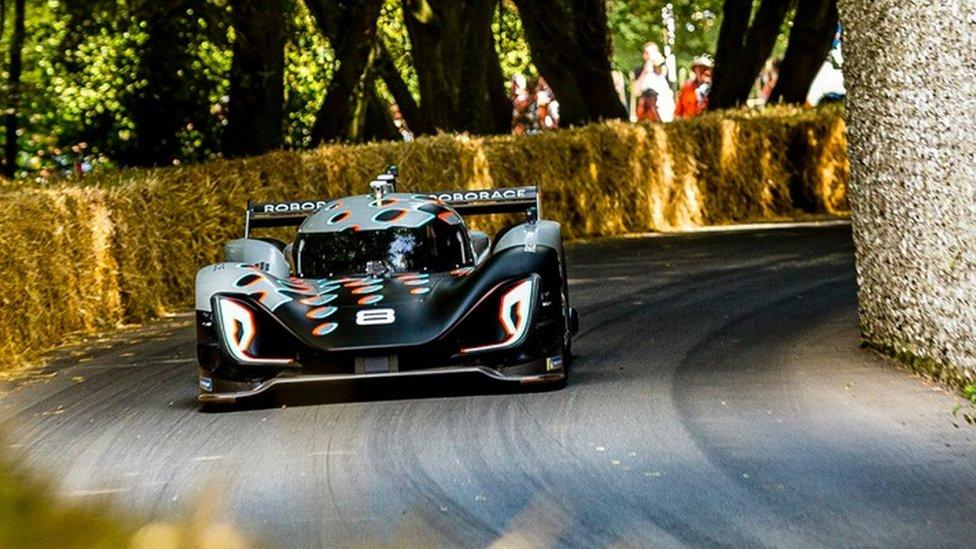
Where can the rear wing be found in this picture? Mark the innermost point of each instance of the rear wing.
(279, 214)
(525, 200)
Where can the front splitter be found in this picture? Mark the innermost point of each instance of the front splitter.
(228, 397)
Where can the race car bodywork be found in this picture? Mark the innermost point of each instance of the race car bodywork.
(385, 284)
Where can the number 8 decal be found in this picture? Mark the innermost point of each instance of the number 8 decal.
(372, 317)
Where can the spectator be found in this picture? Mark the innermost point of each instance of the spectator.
(547, 107)
(400, 123)
(828, 84)
(768, 78)
(693, 96)
(522, 120)
(654, 96)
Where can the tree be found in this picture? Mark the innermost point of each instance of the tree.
(743, 48)
(459, 76)
(349, 111)
(14, 89)
(632, 23)
(157, 107)
(413, 115)
(571, 49)
(254, 121)
(171, 108)
(814, 26)
(911, 142)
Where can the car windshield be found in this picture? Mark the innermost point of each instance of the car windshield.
(433, 247)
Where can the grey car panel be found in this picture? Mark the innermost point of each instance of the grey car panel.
(264, 255)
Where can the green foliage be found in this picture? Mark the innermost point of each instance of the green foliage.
(78, 64)
(309, 63)
(513, 51)
(184, 58)
(632, 23)
(393, 33)
(82, 78)
(86, 89)
(30, 516)
(968, 415)
(81, 102)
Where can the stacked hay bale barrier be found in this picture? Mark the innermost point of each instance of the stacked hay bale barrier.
(59, 272)
(81, 255)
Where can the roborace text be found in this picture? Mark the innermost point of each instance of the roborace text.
(285, 207)
(517, 193)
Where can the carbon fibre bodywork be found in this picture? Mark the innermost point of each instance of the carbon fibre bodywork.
(503, 313)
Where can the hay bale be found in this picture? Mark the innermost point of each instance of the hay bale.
(86, 254)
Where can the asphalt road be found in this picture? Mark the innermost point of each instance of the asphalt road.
(719, 398)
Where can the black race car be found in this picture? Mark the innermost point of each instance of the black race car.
(385, 284)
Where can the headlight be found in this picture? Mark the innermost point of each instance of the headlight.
(515, 308)
(238, 330)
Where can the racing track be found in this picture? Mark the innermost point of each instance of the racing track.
(719, 398)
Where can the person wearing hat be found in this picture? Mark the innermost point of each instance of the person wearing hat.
(693, 96)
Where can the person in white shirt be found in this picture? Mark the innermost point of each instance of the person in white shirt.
(828, 85)
(654, 97)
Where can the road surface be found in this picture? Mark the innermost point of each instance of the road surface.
(719, 397)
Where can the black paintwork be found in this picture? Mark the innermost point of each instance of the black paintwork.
(460, 310)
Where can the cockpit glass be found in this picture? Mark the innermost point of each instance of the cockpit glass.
(433, 247)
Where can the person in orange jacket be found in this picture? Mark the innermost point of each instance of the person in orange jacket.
(693, 96)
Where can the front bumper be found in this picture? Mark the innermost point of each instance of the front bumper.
(538, 372)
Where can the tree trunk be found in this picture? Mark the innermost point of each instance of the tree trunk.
(13, 89)
(911, 142)
(415, 118)
(160, 108)
(377, 121)
(743, 48)
(595, 75)
(549, 30)
(473, 96)
(457, 69)
(255, 110)
(814, 26)
(350, 26)
(571, 49)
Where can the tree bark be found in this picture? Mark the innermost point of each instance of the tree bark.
(814, 26)
(911, 141)
(257, 71)
(474, 97)
(350, 26)
(571, 48)
(457, 69)
(13, 89)
(743, 48)
(595, 75)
